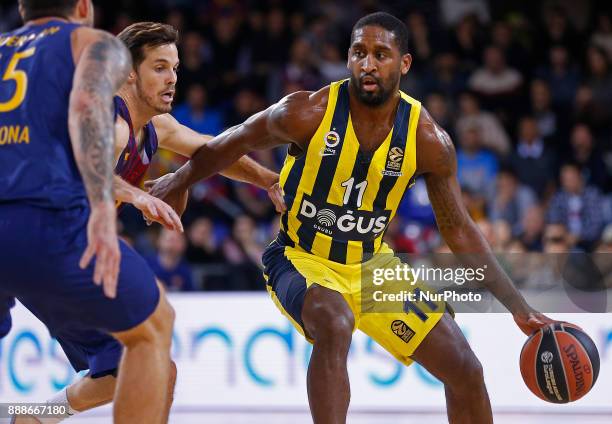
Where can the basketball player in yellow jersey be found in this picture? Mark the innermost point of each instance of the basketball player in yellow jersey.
(355, 147)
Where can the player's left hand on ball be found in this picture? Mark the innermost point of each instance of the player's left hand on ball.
(531, 321)
(156, 210)
(275, 192)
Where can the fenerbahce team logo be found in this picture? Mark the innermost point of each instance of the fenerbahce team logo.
(332, 139)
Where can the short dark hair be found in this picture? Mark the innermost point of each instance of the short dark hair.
(34, 9)
(140, 35)
(387, 22)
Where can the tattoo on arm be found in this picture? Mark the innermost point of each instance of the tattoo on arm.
(448, 214)
(102, 69)
(445, 201)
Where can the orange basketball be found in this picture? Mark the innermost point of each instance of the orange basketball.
(559, 363)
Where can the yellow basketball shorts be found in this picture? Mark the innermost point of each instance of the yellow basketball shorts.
(290, 271)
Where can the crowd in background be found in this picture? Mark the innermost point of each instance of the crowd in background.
(523, 88)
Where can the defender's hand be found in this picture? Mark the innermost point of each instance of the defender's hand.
(275, 192)
(156, 210)
(104, 245)
(162, 189)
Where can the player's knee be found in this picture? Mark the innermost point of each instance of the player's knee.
(469, 373)
(325, 322)
(156, 329)
(162, 320)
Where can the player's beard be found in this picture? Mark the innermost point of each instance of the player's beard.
(375, 98)
(150, 101)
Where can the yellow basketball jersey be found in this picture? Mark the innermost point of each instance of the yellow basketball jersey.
(340, 200)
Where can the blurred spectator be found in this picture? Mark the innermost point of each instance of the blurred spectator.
(467, 43)
(492, 133)
(122, 20)
(595, 114)
(453, 11)
(254, 200)
(243, 252)
(502, 233)
(602, 37)
(269, 42)
(332, 64)
(495, 81)
(583, 151)
(194, 54)
(476, 167)
(532, 227)
(512, 201)
(599, 76)
(496, 233)
(605, 243)
(557, 239)
(541, 109)
(562, 77)
(475, 203)
(532, 161)
(396, 237)
(516, 54)
(420, 46)
(245, 104)
(446, 77)
(486, 228)
(227, 44)
(195, 113)
(578, 207)
(176, 18)
(169, 265)
(558, 30)
(415, 206)
(438, 108)
(202, 245)
(300, 70)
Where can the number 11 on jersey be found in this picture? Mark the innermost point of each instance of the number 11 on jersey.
(349, 188)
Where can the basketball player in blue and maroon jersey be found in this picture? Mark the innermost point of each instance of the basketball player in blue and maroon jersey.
(143, 105)
(142, 125)
(57, 206)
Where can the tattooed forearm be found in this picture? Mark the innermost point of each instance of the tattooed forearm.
(444, 202)
(102, 69)
(443, 189)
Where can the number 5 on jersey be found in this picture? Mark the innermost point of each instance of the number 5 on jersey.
(20, 78)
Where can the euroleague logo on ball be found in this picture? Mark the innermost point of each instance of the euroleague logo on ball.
(546, 357)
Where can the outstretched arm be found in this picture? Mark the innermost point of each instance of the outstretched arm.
(292, 120)
(180, 139)
(437, 161)
(102, 66)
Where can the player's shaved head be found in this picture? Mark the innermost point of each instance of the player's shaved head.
(141, 35)
(34, 9)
